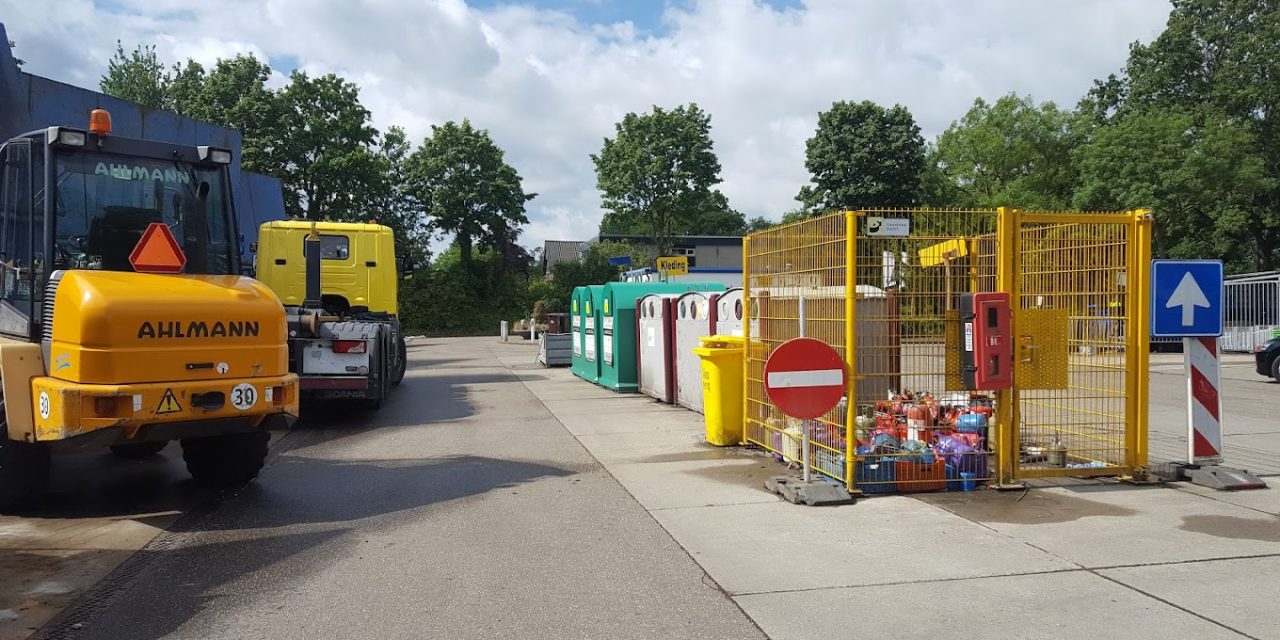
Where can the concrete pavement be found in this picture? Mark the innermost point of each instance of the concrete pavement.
(495, 498)
(1085, 558)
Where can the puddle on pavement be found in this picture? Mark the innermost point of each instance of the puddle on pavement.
(694, 456)
(751, 473)
(1265, 530)
(1035, 507)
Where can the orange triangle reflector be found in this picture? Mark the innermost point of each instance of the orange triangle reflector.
(158, 251)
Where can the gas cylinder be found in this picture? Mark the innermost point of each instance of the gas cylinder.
(917, 420)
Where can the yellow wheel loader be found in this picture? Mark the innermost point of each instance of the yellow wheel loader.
(94, 353)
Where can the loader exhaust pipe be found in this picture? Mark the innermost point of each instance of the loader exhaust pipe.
(312, 246)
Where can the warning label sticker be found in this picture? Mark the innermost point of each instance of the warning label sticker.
(168, 403)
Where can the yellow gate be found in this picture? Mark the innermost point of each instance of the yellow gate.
(883, 288)
(1079, 401)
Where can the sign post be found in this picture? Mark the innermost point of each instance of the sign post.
(1187, 302)
(805, 378)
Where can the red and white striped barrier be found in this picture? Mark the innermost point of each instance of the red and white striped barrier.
(1204, 403)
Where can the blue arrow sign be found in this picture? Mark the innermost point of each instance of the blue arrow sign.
(1186, 298)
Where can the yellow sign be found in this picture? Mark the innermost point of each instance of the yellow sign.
(168, 403)
(674, 265)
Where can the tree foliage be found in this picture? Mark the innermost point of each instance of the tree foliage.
(1010, 153)
(18, 61)
(1209, 82)
(464, 184)
(138, 76)
(862, 156)
(323, 151)
(656, 177)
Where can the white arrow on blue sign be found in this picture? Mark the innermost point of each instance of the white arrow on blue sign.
(1186, 298)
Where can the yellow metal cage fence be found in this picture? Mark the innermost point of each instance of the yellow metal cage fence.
(883, 287)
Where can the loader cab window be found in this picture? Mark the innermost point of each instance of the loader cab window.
(331, 247)
(21, 231)
(106, 201)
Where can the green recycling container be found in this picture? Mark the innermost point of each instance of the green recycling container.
(587, 364)
(617, 309)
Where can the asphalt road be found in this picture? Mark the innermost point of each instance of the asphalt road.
(461, 509)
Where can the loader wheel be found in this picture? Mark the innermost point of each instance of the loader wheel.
(24, 472)
(138, 450)
(226, 460)
(402, 353)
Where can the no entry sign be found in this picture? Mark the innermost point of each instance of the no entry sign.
(804, 378)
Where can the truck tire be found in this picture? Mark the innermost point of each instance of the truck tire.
(402, 361)
(138, 450)
(24, 471)
(226, 460)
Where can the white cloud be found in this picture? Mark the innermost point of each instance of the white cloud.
(549, 88)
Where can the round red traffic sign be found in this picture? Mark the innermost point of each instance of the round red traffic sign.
(804, 378)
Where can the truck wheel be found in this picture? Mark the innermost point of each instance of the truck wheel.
(138, 450)
(402, 361)
(24, 471)
(226, 460)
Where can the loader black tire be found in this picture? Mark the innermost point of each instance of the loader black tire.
(402, 361)
(24, 471)
(226, 460)
(138, 450)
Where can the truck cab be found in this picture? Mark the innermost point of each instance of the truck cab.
(338, 283)
(94, 353)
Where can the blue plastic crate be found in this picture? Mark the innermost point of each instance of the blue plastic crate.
(876, 475)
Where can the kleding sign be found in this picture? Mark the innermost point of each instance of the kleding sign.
(674, 265)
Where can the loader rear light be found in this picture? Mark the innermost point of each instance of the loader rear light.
(348, 346)
(277, 395)
(105, 407)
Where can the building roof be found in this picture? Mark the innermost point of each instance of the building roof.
(554, 251)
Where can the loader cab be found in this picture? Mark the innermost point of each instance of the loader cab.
(77, 199)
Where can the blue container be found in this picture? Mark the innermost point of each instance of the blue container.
(971, 423)
(953, 479)
(876, 475)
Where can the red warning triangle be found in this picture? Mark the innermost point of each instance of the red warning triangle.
(158, 252)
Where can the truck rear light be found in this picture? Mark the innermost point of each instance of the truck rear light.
(348, 346)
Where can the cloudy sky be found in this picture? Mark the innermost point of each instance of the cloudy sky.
(549, 78)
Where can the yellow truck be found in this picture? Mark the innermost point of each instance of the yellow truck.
(338, 283)
(94, 353)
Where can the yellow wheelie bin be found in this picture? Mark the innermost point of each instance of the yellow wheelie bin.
(722, 387)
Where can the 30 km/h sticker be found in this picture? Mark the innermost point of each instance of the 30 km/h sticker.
(244, 396)
(45, 406)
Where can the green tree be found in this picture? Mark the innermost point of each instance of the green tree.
(138, 77)
(1200, 175)
(655, 176)
(463, 183)
(18, 61)
(322, 147)
(863, 156)
(759, 223)
(393, 205)
(1213, 70)
(1011, 153)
